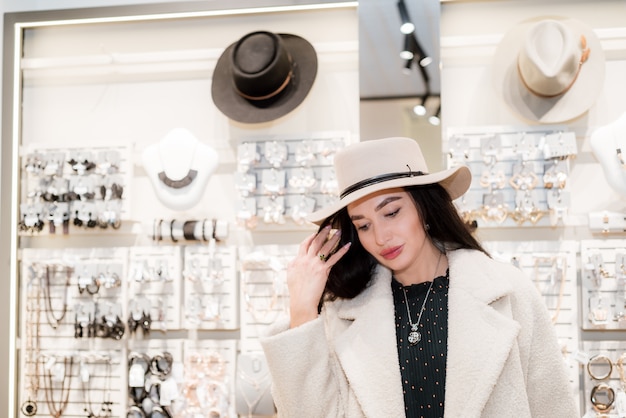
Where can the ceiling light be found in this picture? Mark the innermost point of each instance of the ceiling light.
(407, 26)
(420, 109)
(435, 119)
(407, 51)
(426, 61)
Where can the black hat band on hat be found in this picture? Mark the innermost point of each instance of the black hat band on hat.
(270, 95)
(262, 66)
(379, 179)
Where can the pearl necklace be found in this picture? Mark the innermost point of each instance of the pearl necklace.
(414, 335)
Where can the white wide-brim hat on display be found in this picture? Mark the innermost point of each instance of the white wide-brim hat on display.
(370, 166)
(549, 69)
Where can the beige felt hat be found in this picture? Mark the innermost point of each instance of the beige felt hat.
(549, 69)
(369, 166)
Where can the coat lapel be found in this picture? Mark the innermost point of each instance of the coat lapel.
(367, 350)
(481, 333)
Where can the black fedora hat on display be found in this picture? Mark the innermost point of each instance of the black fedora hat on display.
(263, 76)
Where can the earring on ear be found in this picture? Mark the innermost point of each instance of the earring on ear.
(426, 227)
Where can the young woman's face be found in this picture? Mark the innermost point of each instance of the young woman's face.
(390, 228)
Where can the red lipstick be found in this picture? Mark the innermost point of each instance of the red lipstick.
(391, 253)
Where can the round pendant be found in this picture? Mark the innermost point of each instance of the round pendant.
(414, 337)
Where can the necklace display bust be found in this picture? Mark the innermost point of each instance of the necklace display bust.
(609, 146)
(179, 167)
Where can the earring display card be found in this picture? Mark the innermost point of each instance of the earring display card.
(520, 177)
(603, 279)
(210, 287)
(154, 287)
(263, 289)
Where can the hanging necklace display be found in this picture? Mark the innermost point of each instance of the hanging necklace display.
(29, 407)
(56, 409)
(51, 270)
(553, 279)
(414, 335)
(85, 379)
(253, 384)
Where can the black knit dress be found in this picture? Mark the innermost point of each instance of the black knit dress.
(423, 365)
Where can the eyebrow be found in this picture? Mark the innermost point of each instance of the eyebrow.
(378, 207)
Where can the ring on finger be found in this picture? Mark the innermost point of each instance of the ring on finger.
(322, 257)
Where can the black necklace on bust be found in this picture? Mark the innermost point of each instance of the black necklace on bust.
(178, 184)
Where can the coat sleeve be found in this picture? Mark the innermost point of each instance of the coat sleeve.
(550, 391)
(303, 380)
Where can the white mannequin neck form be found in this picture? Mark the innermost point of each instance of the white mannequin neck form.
(179, 167)
(608, 144)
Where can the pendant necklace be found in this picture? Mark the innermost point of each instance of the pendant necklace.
(414, 335)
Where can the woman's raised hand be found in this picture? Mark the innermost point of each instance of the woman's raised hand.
(308, 272)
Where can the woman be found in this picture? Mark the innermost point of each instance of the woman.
(397, 311)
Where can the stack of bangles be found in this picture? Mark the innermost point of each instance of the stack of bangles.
(599, 368)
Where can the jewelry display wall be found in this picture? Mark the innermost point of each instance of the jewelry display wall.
(282, 178)
(169, 85)
(520, 175)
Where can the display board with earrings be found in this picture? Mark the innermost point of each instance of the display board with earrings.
(282, 179)
(72, 189)
(603, 284)
(521, 175)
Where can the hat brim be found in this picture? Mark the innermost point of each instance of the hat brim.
(571, 104)
(242, 110)
(455, 180)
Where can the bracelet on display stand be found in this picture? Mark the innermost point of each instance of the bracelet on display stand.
(599, 360)
(602, 397)
(172, 231)
(189, 230)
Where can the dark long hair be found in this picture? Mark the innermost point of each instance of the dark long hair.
(353, 273)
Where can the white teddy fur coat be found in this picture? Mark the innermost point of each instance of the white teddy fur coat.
(503, 358)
